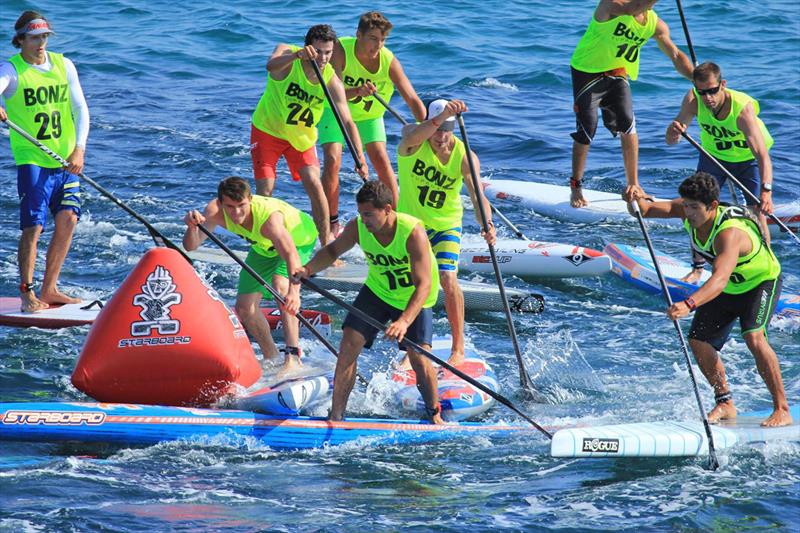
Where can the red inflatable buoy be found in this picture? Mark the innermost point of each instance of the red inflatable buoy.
(165, 337)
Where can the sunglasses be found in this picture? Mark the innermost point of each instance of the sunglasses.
(711, 91)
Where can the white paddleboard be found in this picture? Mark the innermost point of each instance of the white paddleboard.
(289, 396)
(459, 400)
(534, 259)
(669, 439)
(553, 201)
(56, 316)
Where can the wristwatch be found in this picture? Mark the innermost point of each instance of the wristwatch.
(766, 187)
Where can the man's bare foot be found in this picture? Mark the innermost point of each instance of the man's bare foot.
(291, 365)
(57, 297)
(722, 411)
(693, 277)
(30, 303)
(437, 419)
(576, 198)
(456, 358)
(779, 417)
(403, 365)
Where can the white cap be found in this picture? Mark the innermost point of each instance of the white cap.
(435, 108)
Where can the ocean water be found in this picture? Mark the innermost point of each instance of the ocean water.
(171, 88)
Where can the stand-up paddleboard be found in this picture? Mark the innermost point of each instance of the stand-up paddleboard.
(459, 399)
(534, 259)
(80, 314)
(553, 201)
(55, 316)
(633, 264)
(288, 396)
(477, 296)
(131, 424)
(669, 439)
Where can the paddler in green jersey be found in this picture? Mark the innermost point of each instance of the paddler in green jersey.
(42, 95)
(606, 56)
(402, 286)
(432, 164)
(745, 285)
(282, 238)
(285, 120)
(366, 67)
(732, 132)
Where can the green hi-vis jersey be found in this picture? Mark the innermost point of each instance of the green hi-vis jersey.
(722, 138)
(613, 44)
(299, 225)
(355, 75)
(430, 190)
(42, 106)
(389, 274)
(758, 266)
(290, 108)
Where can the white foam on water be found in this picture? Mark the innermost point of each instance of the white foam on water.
(494, 83)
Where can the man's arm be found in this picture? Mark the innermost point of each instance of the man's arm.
(418, 249)
(681, 62)
(210, 219)
(326, 255)
(728, 246)
(406, 90)
(661, 209)
(685, 116)
(748, 124)
(280, 62)
(416, 134)
(336, 89)
(491, 237)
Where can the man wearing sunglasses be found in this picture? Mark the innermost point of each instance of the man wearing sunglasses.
(731, 131)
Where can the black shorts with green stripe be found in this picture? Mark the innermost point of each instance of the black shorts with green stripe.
(714, 320)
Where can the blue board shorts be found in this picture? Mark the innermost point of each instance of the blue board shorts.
(746, 172)
(41, 189)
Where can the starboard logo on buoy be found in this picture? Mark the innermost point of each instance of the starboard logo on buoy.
(601, 445)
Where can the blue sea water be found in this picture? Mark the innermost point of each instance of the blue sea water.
(171, 88)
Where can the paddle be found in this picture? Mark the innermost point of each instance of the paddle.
(739, 184)
(444, 364)
(713, 464)
(336, 114)
(524, 379)
(159, 239)
(275, 294)
(404, 122)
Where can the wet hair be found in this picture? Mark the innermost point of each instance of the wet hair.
(23, 21)
(320, 32)
(375, 193)
(235, 188)
(700, 187)
(374, 20)
(706, 72)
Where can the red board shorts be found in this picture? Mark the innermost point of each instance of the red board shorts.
(266, 150)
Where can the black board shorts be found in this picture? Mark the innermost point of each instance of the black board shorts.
(714, 320)
(609, 92)
(420, 331)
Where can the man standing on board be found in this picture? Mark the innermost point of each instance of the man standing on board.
(285, 119)
(606, 56)
(432, 164)
(402, 286)
(366, 67)
(732, 133)
(745, 285)
(43, 96)
(281, 238)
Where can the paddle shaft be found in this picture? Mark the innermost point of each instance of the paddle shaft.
(275, 294)
(738, 183)
(524, 379)
(336, 114)
(416, 347)
(712, 461)
(404, 122)
(159, 239)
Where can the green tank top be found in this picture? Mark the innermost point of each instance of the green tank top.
(613, 44)
(429, 190)
(290, 108)
(751, 270)
(42, 106)
(299, 225)
(355, 74)
(722, 138)
(389, 274)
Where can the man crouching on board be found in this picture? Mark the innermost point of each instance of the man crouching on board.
(402, 285)
(745, 283)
